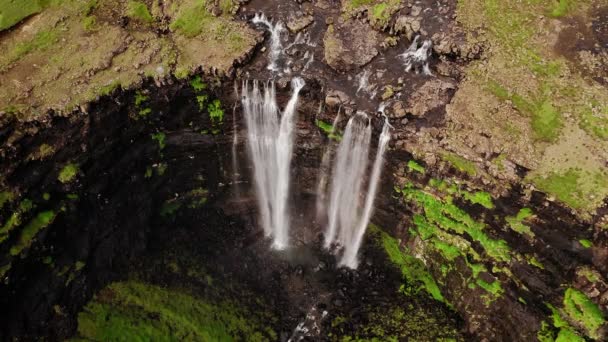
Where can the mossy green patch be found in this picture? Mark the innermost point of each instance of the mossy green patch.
(89, 22)
(29, 232)
(13, 11)
(197, 84)
(413, 270)
(460, 163)
(216, 114)
(6, 197)
(585, 243)
(595, 120)
(412, 165)
(583, 311)
(546, 121)
(560, 8)
(139, 11)
(449, 217)
(516, 222)
(160, 138)
(329, 130)
(479, 197)
(391, 323)
(135, 311)
(68, 173)
(566, 186)
(41, 41)
(15, 219)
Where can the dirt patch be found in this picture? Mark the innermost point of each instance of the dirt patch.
(584, 42)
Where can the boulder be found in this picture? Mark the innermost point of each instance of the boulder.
(408, 25)
(296, 25)
(433, 94)
(335, 98)
(350, 45)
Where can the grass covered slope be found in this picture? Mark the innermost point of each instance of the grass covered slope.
(136, 311)
(539, 108)
(74, 51)
(13, 11)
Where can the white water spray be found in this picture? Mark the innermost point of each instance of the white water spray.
(417, 57)
(270, 141)
(276, 48)
(349, 215)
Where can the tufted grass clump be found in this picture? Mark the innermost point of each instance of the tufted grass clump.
(139, 11)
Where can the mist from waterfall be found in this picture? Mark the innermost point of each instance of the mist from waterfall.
(350, 208)
(270, 142)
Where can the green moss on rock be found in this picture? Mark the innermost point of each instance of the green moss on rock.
(29, 232)
(583, 311)
(413, 270)
(5, 198)
(68, 173)
(460, 163)
(516, 222)
(15, 219)
(412, 165)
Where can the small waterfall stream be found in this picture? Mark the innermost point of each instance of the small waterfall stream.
(276, 47)
(270, 141)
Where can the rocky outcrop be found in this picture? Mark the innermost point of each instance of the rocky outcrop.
(433, 94)
(350, 45)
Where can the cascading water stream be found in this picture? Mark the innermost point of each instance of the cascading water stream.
(351, 248)
(347, 178)
(270, 141)
(276, 47)
(418, 57)
(348, 216)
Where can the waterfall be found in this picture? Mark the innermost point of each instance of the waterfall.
(417, 57)
(347, 177)
(349, 214)
(270, 141)
(235, 143)
(276, 48)
(349, 258)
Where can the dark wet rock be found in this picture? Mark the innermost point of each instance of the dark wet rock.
(432, 95)
(350, 45)
(299, 23)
